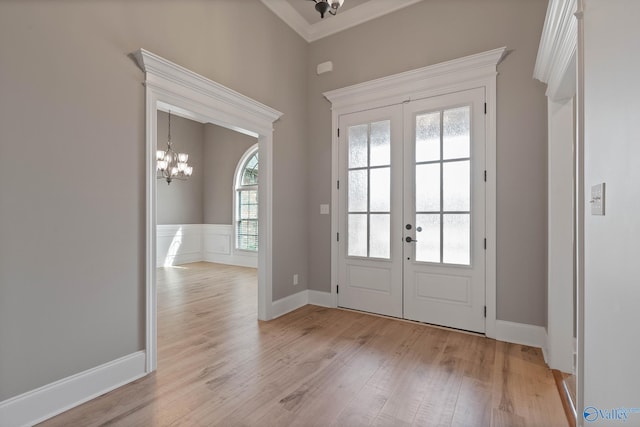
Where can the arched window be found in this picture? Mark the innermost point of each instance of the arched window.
(246, 205)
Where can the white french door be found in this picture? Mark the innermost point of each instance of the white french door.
(370, 236)
(412, 210)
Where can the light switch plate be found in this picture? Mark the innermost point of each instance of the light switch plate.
(324, 209)
(597, 199)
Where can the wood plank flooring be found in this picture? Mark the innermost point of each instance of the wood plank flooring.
(219, 366)
(566, 385)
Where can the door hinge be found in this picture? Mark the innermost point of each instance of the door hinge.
(485, 243)
(337, 289)
(485, 176)
(337, 237)
(485, 311)
(485, 108)
(338, 184)
(338, 132)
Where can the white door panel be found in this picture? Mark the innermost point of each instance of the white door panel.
(444, 265)
(411, 210)
(370, 247)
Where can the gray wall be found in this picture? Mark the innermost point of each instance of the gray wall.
(181, 202)
(72, 237)
(427, 33)
(72, 259)
(609, 335)
(223, 149)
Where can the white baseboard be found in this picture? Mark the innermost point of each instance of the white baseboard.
(290, 303)
(182, 259)
(521, 333)
(516, 333)
(300, 299)
(234, 259)
(52, 399)
(323, 299)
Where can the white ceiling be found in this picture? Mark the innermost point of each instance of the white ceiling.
(305, 20)
(306, 8)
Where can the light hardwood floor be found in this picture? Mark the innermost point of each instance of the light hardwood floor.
(219, 366)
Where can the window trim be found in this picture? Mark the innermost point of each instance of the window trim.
(236, 187)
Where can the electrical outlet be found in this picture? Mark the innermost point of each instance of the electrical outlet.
(324, 209)
(295, 279)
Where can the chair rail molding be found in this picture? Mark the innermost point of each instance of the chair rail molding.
(556, 60)
(190, 95)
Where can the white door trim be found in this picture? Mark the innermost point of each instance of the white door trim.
(193, 96)
(556, 65)
(479, 70)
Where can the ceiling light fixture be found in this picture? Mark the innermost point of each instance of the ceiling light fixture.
(331, 6)
(171, 165)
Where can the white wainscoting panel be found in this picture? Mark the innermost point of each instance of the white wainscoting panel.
(184, 243)
(52, 399)
(218, 239)
(219, 247)
(178, 244)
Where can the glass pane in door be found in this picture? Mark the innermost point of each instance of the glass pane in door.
(455, 239)
(456, 186)
(380, 190)
(358, 190)
(357, 226)
(456, 136)
(428, 137)
(358, 153)
(380, 144)
(428, 240)
(379, 236)
(428, 187)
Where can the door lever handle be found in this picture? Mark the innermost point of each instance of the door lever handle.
(408, 239)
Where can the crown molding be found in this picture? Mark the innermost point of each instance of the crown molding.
(555, 63)
(290, 16)
(406, 86)
(157, 67)
(334, 24)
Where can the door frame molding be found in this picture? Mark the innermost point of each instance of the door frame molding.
(195, 97)
(557, 67)
(474, 71)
